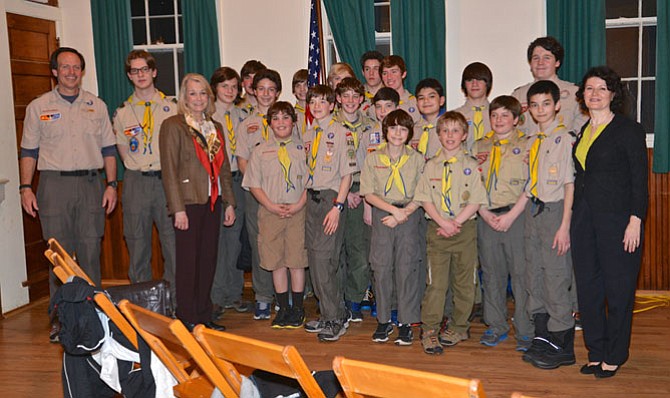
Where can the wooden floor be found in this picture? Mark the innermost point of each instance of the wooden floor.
(30, 366)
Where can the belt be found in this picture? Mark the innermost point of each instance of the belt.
(314, 195)
(540, 205)
(499, 210)
(399, 205)
(79, 173)
(152, 173)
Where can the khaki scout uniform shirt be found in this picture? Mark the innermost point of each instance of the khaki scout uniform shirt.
(375, 174)
(408, 104)
(301, 123)
(555, 167)
(336, 156)
(237, 116)
(248, 105)
(469, 113)
(69, 136)
(264, 171)
(434, 145)
(466, 183)
(571, 114)
(513, 170)
(143, 153)
(361, 127)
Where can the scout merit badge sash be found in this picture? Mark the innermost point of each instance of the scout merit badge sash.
(395, 178)
(285, 162)
(446, 185)
(208, 143)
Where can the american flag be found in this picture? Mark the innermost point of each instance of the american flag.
(314, 60)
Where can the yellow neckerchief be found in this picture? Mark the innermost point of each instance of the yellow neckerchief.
(395, 178)
(315, 148)
(303, 128)
(369, 95)
(423, 141)
(231, 134)
(478, 121)
(299, 108)
(208, 130)
(285, 161)
(534, 159)
(585, 143)
(353, 127)
(446, 185)
(264, 130)
(494, 166)
(147, 120)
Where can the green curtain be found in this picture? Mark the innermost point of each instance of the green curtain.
(201, 37)
(112, 43)
(661, 163)
(418, 37)
(353, 25)
(580, 26)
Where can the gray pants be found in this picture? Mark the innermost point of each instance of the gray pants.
(71, 211)
(395, 259)
(501, 255)
(144, 205)
(323, 254)
(228, 280)
(354, 265)
(261, 279)
(549, 276)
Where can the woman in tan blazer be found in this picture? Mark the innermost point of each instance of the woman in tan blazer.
(198, 184)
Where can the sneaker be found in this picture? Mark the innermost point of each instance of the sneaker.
(491, 338)
(538, 346)
(295, 319)
(394, 317)
(356, 314)
(54, 333)
(332, 331)
(262, 311)
(578, 320)
(405, 335)
(430, 342)
(315, 326)
(281, 319)
(239, 306)
(523, 343)
(384, 330)
(451, 338)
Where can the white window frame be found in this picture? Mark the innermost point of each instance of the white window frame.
(173, 48)
(636, 22)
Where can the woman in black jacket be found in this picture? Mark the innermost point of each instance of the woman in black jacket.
(606, 231)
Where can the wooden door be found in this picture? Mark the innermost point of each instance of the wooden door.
(31, 41)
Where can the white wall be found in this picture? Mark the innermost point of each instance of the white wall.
(496, 33)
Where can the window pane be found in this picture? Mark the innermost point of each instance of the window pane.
(181, 30)
(139, 32)
(622, 54)
(165, 66)
(162, 30)
(630, 107)
(384, 48)
(649, 8)
(180, 65)
(648, 105)
(161, 7)
(137, 8)
(649, 51)
(383, 18)
(621, 8)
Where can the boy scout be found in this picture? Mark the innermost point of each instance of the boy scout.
(501, 155)
(450, 191)
(429, 100)
(137, 124)
(252, 132)
(394, 71)
(545, 55)
(388, 180)
(476, 84)
(276, 177)
(354, 261)
(331, 160)
(249, 69)
(371, 61)
(550, 188)
(299, 86)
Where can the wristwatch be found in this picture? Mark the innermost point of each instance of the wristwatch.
(114, 184)
(338, 205)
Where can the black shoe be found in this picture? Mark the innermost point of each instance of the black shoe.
(296, 318)
(281, 319)
(384, 330)
(560, 351)
(538, 347)
(589, 369)
(405, 335)
(215, 326)
(601, 373)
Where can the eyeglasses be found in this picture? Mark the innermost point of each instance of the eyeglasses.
(144, 69)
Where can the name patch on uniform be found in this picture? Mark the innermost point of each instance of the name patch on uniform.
(50, 116)
(326, 168)
(132, 131)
